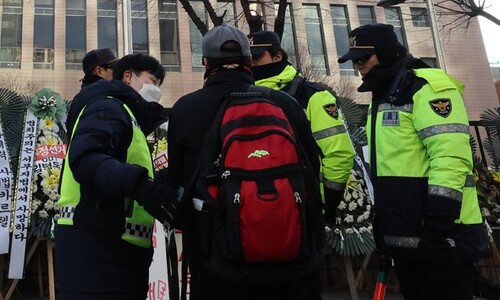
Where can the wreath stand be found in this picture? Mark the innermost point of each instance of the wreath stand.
(357, 282)
(11, 285)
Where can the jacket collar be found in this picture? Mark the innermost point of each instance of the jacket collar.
(149, 115)
(229, 76)
(280, 80)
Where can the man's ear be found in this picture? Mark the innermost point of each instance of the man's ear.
(204, 61)
(97, 71)
(127, 77)
(278, 56)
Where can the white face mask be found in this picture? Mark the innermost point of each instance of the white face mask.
(149, 91)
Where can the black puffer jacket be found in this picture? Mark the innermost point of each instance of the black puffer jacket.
(98, 147)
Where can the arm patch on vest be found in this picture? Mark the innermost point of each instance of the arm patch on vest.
(331, 110)
(441, 106)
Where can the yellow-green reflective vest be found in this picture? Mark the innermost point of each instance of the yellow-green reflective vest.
(138, 224)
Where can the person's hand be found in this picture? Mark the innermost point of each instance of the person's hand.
(158, 199)
(439, 254)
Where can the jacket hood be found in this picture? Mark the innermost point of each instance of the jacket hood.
(148, 114)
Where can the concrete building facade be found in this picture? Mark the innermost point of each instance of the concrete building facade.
(43, 41)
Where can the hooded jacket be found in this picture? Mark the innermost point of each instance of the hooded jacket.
(98, 151)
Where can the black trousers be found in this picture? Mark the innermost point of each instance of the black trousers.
(203, 288)
(94, 267)
(415, 284)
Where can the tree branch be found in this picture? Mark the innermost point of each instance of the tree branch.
(279, 22)
(202, 27)
(213, 15)
(254, 21)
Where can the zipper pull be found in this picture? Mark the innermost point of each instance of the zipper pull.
(226, 174)
(236, 198)
(297, 197)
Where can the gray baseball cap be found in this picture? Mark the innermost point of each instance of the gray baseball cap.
(215, 44)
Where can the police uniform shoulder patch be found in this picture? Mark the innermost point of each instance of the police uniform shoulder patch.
(441, 106)
(331, 110)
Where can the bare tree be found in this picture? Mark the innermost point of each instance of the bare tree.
(19, 84)
(461, 12)
(254, 21)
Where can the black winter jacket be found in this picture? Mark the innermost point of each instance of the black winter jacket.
(98, 147)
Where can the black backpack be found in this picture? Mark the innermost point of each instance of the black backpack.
(254, 200)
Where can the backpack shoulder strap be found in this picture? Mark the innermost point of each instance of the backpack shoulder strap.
(296, 83)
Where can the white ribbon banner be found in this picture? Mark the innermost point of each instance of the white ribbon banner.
(5, 194)
(360, 163)
(158, 279)
(23, 194)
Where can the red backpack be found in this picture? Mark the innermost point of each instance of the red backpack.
(256, 201)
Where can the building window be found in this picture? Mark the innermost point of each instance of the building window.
(75, 34)
(393, 17)
(43, 35)
(169, 35)
(107, 36)
(340, 23)
(11, 33)
(140, 38)
(227, 8)
(430, 61)
(196, 37)
(289, 39)
(315, 41)
(366, 15)
(419, 17)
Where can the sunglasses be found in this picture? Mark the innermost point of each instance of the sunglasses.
(363, 59)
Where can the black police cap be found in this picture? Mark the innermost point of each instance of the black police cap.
(365, 39)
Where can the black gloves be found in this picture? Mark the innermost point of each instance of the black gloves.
(439, 254)
(332, 200)
(158, 199)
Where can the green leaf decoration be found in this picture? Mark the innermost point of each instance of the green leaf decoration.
(47, 103)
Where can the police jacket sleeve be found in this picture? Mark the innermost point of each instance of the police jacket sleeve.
(329, 132)
(440, 119)
(300, 124)
(98, 150)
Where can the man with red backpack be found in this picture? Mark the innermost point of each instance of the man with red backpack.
(218, 272)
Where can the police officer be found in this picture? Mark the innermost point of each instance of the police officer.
(109, 198)
(270, 67)
(426, 209)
